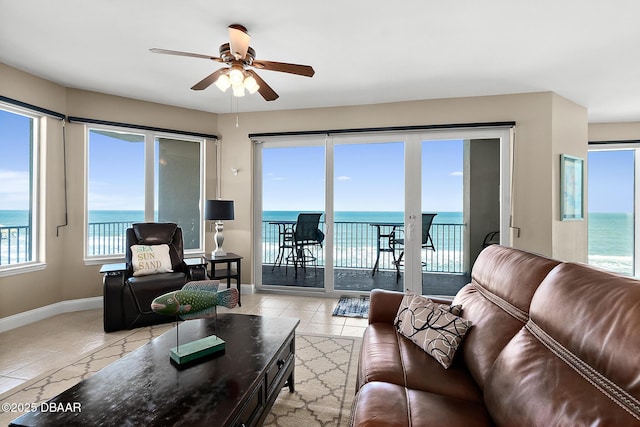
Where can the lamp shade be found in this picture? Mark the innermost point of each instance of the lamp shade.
(218, 210)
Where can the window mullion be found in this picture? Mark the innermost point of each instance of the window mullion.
(149, 177)
(636, 210)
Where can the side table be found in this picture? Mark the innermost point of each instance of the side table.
(227, 273)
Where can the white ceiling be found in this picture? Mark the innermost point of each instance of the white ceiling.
(363, 52)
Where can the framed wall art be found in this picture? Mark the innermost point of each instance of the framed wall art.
(571, 188)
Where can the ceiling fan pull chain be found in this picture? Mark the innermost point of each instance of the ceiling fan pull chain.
(237, 118)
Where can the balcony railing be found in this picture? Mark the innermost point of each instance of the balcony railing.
(106, 238)
(355, 246)
(15, 244)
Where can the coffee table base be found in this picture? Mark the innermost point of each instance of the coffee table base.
(194, 350)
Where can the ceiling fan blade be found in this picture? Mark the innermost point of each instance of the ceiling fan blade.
(189, 54)
(265, 90)
(301, 70)
(207, 81)
(239, 40)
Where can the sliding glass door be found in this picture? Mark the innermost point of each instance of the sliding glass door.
(397, 211)
(368, 206)
(293, 188)
(442, 216)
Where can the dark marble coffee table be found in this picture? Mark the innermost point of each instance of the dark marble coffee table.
(235, 388)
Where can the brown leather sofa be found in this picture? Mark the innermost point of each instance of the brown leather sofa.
(552, 344)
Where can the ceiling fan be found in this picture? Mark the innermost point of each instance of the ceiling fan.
(240, 58)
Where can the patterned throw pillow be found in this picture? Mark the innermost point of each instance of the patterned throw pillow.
(410, 297)
(434, 329)
(150, 259)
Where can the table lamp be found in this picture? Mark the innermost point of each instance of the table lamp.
(218, 210)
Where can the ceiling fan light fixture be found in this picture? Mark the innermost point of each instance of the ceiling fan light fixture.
(238, 90)
(236, 76)
(251, 85)
(223, 83)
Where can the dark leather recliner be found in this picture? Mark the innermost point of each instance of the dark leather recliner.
(127, 298)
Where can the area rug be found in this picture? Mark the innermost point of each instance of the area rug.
(324, 379)
(352, 307)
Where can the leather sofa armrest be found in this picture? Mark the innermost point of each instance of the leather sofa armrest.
(383, 305)
(113, 282)
(113, 269)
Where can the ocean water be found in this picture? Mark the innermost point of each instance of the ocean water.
(368, 217)
(610, 234)
(16, 218)
(611, 241)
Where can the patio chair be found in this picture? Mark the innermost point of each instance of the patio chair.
(427, 241)
(306, 235)
(492, 238)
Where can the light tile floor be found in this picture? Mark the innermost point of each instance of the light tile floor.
(40, 347)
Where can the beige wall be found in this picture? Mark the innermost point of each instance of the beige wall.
(66, 276)
(570, 132)
(623, 131)
(546, 125)
(540, 126)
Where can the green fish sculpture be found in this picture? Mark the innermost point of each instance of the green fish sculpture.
(196, 300)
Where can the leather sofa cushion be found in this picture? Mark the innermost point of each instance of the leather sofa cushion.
(384, 404)
(388, 356)
(146, 288)
(157, 233)
(576, 361)
(154, 233)
(531, 386)
(595, 316)
(497, 303)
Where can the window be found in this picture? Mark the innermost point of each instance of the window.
(137, 176)
(612, 200)
(18, 187)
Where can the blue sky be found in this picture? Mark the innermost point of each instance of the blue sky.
(116, 173)
(367, 177)
(610, 177)
(14, 161)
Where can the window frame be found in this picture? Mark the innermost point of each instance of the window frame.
(412, 138)
(150, 139)
(633, 146)
(37, 189)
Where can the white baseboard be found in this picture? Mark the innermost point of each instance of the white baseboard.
(247, 289)
(41, 313)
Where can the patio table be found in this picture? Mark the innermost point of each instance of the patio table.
(285, 240)
(385, 231)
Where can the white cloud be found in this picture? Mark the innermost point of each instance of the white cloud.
(13, 181)
(101, 201)
(343, 178)
(456, 173)
(14, 189)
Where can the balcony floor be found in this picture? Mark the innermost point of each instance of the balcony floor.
(352, 279)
